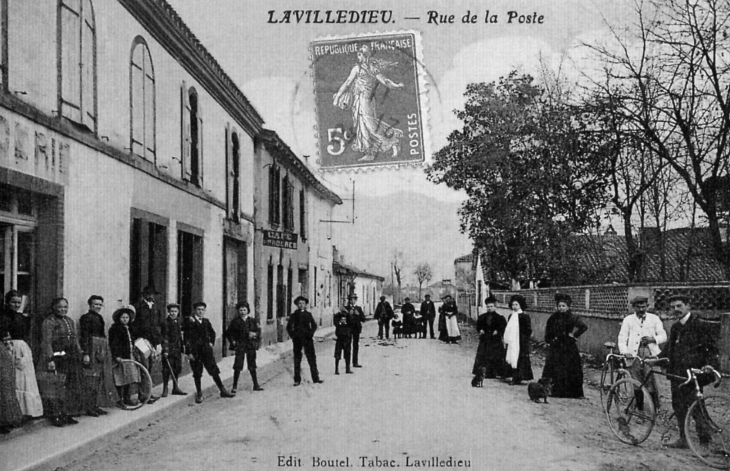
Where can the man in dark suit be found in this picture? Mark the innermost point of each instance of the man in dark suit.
(199, 340)
(384, 313)
(428, 312)
(147, 324)
(301, 327)
(356, 318)
(172, 350)
(690, 345)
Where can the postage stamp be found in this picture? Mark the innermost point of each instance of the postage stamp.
(370, 100)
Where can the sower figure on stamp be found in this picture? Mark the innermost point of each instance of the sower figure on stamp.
(343, 342)
(172, 350)
(384, 313)
(199, 340)
(428, 311)
(372, 134)
(640, 336)
(301, 327)
(244, 335)
(147, 324)
(690, 345)
(356, 318)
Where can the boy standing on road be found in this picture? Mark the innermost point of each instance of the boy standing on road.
(244, 335)
(301, 328)
(172, 350)
(356, 318)
(199, 341)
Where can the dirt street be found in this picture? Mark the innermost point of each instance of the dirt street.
(410, 406)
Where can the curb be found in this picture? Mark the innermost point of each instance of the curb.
(95, 434)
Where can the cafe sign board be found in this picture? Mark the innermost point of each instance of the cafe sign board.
(282, 240)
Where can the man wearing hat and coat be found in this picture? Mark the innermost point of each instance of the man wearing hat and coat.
(356, 318)
(301, 327)
(147, 324)
(691, 345)
(384, 313)
(428, 311)
(640, 336)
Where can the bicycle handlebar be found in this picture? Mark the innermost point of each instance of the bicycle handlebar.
(693, 372)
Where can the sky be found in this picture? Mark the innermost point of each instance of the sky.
(271, 63)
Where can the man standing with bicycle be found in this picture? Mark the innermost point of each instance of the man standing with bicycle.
(640, 336)
(691, 345)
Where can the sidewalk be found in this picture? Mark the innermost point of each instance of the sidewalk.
(40, 446)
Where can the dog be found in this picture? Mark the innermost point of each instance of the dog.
(478, 380)
(541, 388)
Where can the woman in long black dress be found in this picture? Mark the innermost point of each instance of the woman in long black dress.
(489, 361)
(563, 364)
(517, 338)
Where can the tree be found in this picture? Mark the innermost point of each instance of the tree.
(423, 273)
(533, 170)
(668, 77)
(396, 264)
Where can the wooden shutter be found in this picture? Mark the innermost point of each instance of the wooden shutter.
(185, 133)
(229, 171)
(200, 142)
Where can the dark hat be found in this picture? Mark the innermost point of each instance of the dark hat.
(639, 300)
(679, 297)
(448, 296)
(407, 299)
(428, 295)
(128, 309)
(200, 304)
(382, 298)
(520, 299)
(563, 298)
(490, 300)
(149, 289)
(301, 298)
(173, 305)
(352, 295)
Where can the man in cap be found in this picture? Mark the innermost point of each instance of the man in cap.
(640, 336)
(384, 313)
(148, 325)
(691, 345)
(301, 327)
(356, 318)
(428, 311)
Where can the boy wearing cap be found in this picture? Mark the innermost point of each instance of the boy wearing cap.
(640, 335)
(172, 350)
(199, 341)
(343, 342)
(301, 327)
(244, 335)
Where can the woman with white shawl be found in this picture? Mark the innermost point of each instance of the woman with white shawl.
(517, 338)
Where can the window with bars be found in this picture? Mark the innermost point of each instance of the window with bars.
(142, 101)
(77, 62)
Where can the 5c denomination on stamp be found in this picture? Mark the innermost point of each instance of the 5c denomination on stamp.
(370, 95)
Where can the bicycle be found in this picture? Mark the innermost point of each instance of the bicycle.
(143, 388)
(613, 370)
(707, 424)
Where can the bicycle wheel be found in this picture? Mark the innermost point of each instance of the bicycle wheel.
(707, 427)
(140, 389)
(609, 375)
(630, 411)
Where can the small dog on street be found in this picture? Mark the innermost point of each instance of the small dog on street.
(540, 389)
